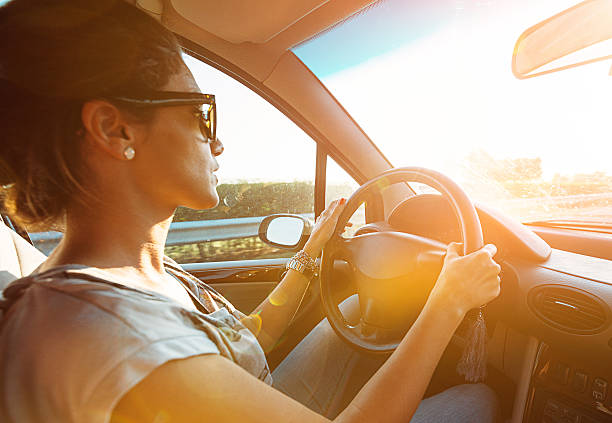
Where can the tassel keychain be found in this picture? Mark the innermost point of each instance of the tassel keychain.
(473, 363)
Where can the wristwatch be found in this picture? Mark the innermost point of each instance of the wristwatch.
(302, 263)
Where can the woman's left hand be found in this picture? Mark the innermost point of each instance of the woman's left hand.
(324, 227)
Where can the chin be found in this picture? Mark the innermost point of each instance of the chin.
(203, 202)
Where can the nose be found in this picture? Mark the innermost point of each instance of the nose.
(216, 147)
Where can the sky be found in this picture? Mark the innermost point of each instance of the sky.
(384, 27)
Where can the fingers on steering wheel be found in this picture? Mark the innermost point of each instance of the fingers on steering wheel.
(338, 202)
(333, 208)
(339, 206)
(491, 249)
(454, 249)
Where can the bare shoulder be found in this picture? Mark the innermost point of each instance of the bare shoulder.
(207, 388)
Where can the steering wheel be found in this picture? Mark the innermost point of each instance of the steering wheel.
(394, 272)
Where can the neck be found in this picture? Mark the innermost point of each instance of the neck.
(115, 238)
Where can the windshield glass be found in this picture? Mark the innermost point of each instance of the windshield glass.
(431, 83)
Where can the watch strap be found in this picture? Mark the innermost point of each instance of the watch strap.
(303, 263)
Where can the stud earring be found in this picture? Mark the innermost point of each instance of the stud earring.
(129, 153)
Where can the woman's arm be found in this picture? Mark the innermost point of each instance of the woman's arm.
(465, 282)
(211, 388)
(273, 315)
(270, 319)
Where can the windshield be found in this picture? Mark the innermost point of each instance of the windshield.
(431, 84)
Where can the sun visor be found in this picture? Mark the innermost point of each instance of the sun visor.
(575, 37)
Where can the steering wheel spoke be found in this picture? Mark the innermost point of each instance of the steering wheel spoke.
(386, 340)
(384, 337)
(393, 271)
(340, 248)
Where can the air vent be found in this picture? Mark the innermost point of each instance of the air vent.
(569, 309)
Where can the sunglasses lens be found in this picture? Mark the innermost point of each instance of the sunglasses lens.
(207, 123)
(213, 121)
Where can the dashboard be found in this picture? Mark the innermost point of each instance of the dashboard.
(563, 299)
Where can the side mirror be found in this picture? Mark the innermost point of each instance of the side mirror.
(288, 231)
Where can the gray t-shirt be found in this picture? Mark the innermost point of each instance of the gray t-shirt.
(73, 341)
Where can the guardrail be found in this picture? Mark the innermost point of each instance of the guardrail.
(180, 233)
(223, 229)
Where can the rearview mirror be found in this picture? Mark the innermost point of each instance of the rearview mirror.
(288, 231)
(573, 35)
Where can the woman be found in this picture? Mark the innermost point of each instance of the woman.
(105, 130)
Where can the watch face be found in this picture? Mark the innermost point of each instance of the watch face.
(300, 267)
(295, 265)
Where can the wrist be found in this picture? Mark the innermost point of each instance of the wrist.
(312, 250)
(443, 304)
(451, 316)
(302, 263)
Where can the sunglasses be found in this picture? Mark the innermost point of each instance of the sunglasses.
(207, 115)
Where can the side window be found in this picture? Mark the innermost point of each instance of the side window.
(267, 167)
(341, 184)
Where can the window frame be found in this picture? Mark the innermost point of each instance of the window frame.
(323, 146)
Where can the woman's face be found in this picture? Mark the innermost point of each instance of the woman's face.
(176, 161)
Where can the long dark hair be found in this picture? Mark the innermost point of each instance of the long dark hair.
(54, 56)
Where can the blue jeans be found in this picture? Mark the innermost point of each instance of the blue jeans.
(324, 373)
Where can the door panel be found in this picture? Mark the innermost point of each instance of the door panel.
(244, 283)
(245, 296)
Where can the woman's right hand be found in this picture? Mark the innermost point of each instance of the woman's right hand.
(466, 282)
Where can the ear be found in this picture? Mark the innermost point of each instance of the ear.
(106, 128)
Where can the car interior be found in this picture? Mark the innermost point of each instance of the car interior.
(549, 331)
